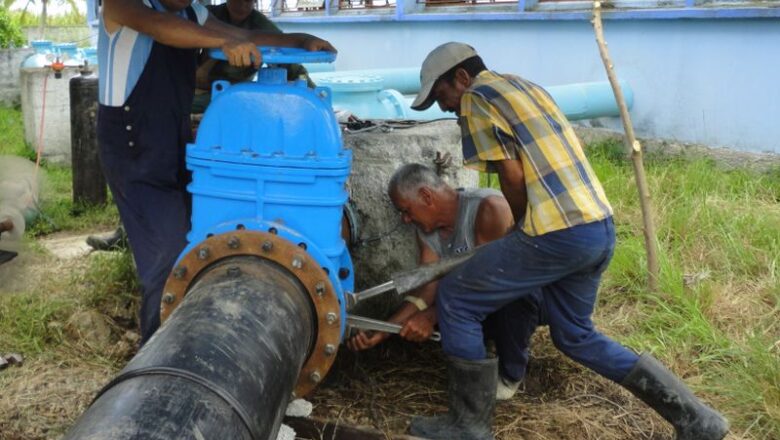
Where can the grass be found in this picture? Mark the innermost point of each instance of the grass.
(715, 320)
(107, 283)
(57, 209)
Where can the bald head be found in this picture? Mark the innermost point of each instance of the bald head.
(407, 181)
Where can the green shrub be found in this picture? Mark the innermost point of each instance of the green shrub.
(10, 32)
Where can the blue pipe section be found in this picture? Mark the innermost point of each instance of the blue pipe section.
(403, 79)
(589, 100)
(370, 96)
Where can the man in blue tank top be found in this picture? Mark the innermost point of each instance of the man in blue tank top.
(450, 222)
(147, 61)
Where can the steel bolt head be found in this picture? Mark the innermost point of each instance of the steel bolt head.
(203, 253)
(234, 271)
(168, 298)
(267, 246)
(179, 272)
(331, 318)
(320, 288)
(233, 242)
(315, 377)
(297, 262)
(330, 349)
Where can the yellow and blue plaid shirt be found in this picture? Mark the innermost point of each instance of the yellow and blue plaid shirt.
(504, 117)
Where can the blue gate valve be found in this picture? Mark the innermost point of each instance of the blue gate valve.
(269, 175)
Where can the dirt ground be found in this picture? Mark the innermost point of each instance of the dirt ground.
(381, 388)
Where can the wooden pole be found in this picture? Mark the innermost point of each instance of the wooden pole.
(636, 153)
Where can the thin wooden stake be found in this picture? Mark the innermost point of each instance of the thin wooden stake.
(636, 153)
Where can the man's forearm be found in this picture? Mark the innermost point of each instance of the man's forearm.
(258, 37)
(512, 180)
(166, 28)
(518, 200)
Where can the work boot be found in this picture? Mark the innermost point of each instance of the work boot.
(111, 241)
(471, 399)
(660, 389)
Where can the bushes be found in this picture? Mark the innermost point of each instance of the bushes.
(10, 32)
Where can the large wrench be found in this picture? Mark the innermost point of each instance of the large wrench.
(363, 323)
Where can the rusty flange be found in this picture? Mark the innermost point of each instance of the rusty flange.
(286, 254)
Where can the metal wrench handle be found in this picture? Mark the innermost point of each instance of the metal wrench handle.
(363, 323)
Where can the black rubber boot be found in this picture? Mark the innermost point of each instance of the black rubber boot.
(660, 389)
(112, 241)
(471, 392)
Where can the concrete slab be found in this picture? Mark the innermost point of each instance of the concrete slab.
(68, 248)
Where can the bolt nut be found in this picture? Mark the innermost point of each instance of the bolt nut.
(203, 253)
(297, 262)
(331, 318)
(168, 298)
(267, 246)
(179, 272)
(343, 273)
(320, 288)
(233, 242)
(234, 271)
(315, 377)
(330, 349)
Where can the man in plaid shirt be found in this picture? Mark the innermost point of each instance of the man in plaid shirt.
(563, 242)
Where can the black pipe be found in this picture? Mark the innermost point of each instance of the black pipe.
(89, 185)
(223, 366)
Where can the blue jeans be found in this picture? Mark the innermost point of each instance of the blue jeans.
(511, 327)
(566, 265)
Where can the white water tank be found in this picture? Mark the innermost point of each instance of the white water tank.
(55, 115)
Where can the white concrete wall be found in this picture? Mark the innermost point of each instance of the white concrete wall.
(713, 82)
(10, 60)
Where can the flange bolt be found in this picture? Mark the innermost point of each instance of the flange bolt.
(330, 349)
(179, 272)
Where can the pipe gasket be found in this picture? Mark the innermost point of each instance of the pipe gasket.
(293, 258)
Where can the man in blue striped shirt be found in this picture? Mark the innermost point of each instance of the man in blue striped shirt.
(147, 60)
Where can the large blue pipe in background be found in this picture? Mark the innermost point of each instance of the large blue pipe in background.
(388, 94)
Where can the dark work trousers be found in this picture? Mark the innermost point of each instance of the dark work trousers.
(566, 265)
(142, 151)
(511, 328)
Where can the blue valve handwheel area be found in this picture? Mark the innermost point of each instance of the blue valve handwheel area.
(284, 55)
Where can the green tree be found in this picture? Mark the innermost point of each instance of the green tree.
(10, 32)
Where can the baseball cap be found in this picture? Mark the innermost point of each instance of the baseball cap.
(436, 64)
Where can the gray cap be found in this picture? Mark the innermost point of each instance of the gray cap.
(438, 62)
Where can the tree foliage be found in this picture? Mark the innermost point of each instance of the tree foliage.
(10, 32)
